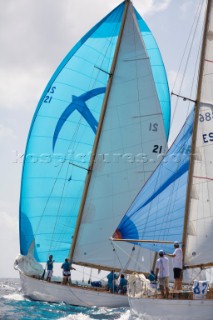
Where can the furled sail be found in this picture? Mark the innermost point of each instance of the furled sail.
(157, 213)
(200, 223)
(131, 140)
(63, 132)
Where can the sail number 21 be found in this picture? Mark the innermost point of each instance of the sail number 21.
(154, 127)
(48, 98)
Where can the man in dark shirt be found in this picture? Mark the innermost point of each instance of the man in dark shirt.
(49, 268)
(67, 267)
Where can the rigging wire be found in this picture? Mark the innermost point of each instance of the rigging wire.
(90, 275)
(123, 268)
(134, 260)
(83, 275)
(193, 85)
(115, 254)
(188, 46)
(168, 219)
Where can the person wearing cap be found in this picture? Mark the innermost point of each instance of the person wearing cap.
(162, 272)
(177, 260)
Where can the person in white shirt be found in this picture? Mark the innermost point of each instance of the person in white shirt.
(177, 265)
(162, 272)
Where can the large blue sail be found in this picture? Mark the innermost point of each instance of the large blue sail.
(61, 139)
(157, 213)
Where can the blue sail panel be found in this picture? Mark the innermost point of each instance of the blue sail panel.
(157, 213)
(158, 71)
(61, 140)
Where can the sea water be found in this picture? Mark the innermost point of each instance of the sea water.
(14, 306)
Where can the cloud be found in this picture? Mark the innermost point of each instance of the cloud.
(8, 244)
(185, 6)
(9, 225)
(6, 132)
(173, 80)
(149, 7)
(20, 87)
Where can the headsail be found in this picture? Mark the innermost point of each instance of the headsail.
(131, 140)
(64, 126)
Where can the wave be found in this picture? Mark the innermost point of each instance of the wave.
(101, 312)
(14, 297)
(79, 316)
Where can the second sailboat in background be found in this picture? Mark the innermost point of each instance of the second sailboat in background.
(176, 204)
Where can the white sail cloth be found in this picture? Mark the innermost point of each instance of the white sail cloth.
(28, 265)
(200, 225)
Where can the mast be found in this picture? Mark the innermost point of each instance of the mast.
(194, 135)
(94, 151)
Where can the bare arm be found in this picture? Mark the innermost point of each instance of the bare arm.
(171, 255)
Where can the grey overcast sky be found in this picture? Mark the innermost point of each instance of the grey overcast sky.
(35, 35)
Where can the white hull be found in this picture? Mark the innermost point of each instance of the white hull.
(163, 309)
(55, 292)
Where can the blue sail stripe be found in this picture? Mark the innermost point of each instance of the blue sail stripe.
(79, 104)
(68, 121)
(166, 184)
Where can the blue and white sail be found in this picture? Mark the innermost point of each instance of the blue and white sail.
(63, 132)
(157, 213)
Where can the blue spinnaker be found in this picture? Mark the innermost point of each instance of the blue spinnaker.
(61, 140)
(62, 136)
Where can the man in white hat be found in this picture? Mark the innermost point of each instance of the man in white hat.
(162, 272)
(177, 265)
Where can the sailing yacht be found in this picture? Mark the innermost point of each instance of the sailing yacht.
(176, 204)
(96, 136)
